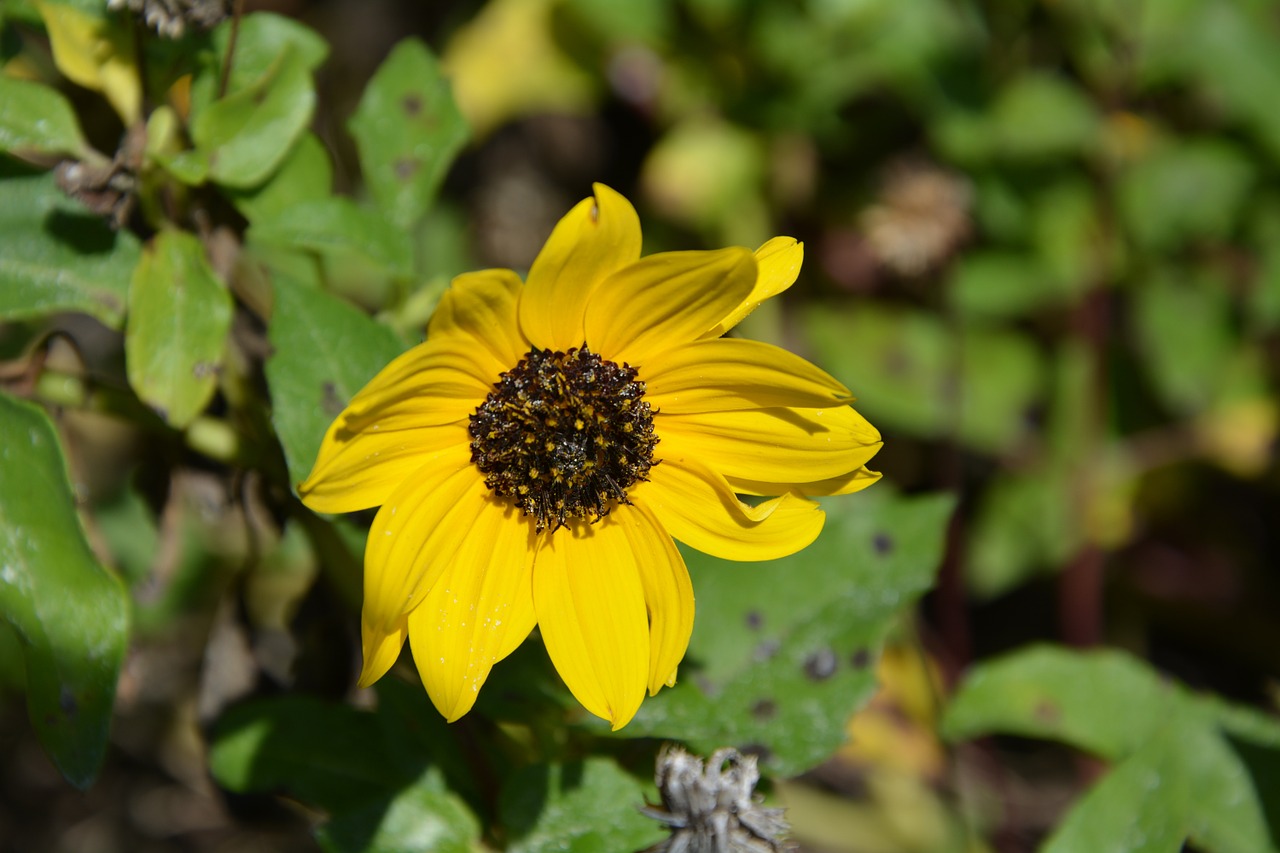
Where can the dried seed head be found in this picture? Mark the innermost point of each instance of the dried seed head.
(713, 808)
(170, 18)
(921, 217)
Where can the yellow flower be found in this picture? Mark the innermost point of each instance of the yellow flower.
(535, 456)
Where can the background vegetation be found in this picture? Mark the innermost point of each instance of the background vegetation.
(1043, 247)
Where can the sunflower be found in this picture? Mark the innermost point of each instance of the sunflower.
(535, 456)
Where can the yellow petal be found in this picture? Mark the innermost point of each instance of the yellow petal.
(96, 53)
(663, 300)
(382, 647)
(845, 484)
(779, 263)
(483, 307)
(730, 373)
(599, 236)
(478, 611)
(591, 612)
(358, 470)
(780, 445)
(698, 507)
(668, 592)
(436, 382)
(416, 534)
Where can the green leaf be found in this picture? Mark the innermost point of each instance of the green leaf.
(783, 652)
(1103, 702)
(325, 350)
(179, 317)
(1187, 361)
(335, 227)
(583, 807)
(369, 771)
(1131, 810)
(35, 118)
(1024, 524)
(70, 614)
(1043, 117)
(998, 284)
(245, 135)
(274, 744)
(306, 175)
(262, 38)
(1185, 191)
(421, 818)
(57, 256)
(1175, 775)
(408, 130)
(1068, 238)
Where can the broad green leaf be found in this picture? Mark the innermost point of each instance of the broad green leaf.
(58, 256)
(370, 772)
(36, 118)
(783, 652)
(998, 284)
(1185, 191)
(262, 38)
(584, 807)
(1068, 239)
(1104, 702)
(245, 135)
(1187, 361)
(324, 351)
(1038, 117)
(70, 614)
(176, 338)
(335, 227)
(423, 817)
(1024, 524)
(1133, 809)
(1175, 775)
(911, 372)
(1042, 117)
(324, 753)
(407, 131)
(306, 175)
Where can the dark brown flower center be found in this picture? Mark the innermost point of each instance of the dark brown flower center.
(565, 435)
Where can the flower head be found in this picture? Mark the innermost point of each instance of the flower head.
(535, 456)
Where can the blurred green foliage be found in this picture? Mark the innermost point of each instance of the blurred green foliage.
(1043, 246)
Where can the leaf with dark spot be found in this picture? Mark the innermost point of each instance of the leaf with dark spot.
(408, 130)
(837, 594)
(71, 614)
(325, 351)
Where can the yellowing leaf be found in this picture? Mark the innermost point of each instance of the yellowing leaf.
(505, 64)
(96, 54)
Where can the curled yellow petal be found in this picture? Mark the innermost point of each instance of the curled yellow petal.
(781, 445)
(381, 645)
(699, 507)
(845, 484)
(778, 262)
